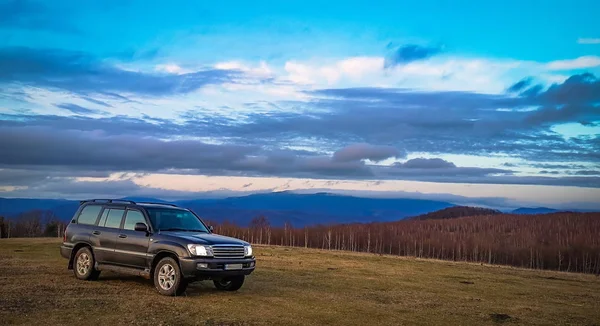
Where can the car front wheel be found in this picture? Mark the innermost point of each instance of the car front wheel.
(168, 279)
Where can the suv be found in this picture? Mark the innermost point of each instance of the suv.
(169, 244)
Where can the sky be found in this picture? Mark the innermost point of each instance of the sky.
(476, 102)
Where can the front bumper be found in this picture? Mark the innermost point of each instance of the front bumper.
(215, 267)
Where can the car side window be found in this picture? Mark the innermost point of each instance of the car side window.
(132, 217)
(103, 217)
(89, 214)
(113, 218)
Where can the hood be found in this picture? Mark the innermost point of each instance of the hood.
(204, 238)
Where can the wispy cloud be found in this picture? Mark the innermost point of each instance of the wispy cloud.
(589, 61)
(80, 72)
(583, 40)
(77, 109)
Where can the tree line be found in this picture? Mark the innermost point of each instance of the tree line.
(34, 223)
(558, 241)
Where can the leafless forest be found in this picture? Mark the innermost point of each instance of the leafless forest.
(558, 241)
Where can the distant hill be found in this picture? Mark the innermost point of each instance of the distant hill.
(279, 207)
(64, 209)
(534, 210)
(310, 209)
(455, 212)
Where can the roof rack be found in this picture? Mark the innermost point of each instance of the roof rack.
(149, 202)
(81, 202)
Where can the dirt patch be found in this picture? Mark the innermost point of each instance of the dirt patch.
(500, 318)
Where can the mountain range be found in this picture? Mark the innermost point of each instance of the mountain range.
(279, 207)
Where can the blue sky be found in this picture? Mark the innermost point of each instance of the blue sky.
(432, 97)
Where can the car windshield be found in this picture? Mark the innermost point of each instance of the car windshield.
(169, 219)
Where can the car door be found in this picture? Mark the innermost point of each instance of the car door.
(106, 233)
(132, 246)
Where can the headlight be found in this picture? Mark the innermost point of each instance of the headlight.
(200, 250)
(247, 251)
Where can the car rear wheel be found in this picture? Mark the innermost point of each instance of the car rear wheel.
(83, 266)
(168, 279)
(232, 283)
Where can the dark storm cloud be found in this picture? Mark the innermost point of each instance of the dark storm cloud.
(79, 72)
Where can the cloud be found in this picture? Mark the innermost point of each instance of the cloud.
(356, 152)
(355, 69)
(587, 172)
(583, 40)
(520, 85)
(79, 72)
(67, 154)
(357, 125)
(439, 169)
(455, 122)
(436, 73)
(409, 53)
(549, 172)
(557, 166)
(426, 163)
(172, 68)
(589, 61)
(76, 189)
(28, 176)
(95, 151)
(74, 108)
(95, 101)
(574, 100)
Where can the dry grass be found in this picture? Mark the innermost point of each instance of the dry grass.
(293, 286)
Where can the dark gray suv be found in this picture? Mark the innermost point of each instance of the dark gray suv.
(168, 244)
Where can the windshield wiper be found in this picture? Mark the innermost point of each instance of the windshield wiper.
(180, 229)
(173, 229)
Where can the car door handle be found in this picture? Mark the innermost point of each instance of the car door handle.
(96, 232)
(122, 236)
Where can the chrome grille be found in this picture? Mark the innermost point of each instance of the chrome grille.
(228, 251)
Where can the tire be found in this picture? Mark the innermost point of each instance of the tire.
(83, 265)
(232, 283)
(168, 279)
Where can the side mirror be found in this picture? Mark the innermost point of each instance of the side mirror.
(210, 228)
(141, 227)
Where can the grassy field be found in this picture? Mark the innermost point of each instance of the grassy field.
(294, 286)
